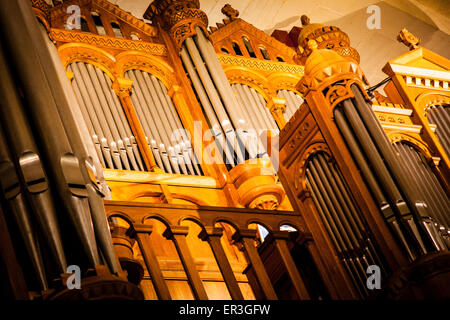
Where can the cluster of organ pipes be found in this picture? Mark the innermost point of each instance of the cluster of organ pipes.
(438, 205)
(440, 116)
(169, 142)
(391, 179)
(111, 133)
(342, 219)
(47, 167)
(231, 117)
(293, 102)
(106, 121)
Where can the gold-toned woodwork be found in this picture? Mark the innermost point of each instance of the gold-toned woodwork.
(420, 77)
(327, 37)
(225, 202)
(179, 18)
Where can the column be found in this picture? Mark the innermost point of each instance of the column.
(178, 235)
(246, 238)
(213, 235)
(142, 234)
(123, 88)
(280, 240)
(277, 108)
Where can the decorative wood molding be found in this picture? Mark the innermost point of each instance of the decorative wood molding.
(66, 36)
(237, 24)
(262, 65)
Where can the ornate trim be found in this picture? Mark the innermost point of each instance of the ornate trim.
(418, 144)
(73, 52)
(300, 164)
(67, 36)
(239, 24)
(136, 60)
(256, 64)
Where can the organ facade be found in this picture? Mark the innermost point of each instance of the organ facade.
(172, 160)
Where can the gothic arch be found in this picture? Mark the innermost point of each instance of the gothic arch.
(416, 143)
(137, 60)
(252, 79)
(427, 99)
(75, 52)
(300, 165)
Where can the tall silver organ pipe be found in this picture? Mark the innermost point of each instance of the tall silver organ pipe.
(293, 102)
(105, 119)
(257, 115)
(169, 142)
(407, 210)
(440, 116)
(342, 219)
(231, 121)
(434, 195)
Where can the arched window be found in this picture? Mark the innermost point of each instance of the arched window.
(116, 30)
(237, 49)
(264, 53)
(249, 47)
(84, 25)
(134, 36)
(280, 59)
(224, 51)
(98, 23)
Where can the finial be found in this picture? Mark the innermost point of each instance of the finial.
(230, 12)
(410, 40)
(312, 45)
(305, 20)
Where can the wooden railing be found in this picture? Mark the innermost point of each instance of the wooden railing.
(210, 220)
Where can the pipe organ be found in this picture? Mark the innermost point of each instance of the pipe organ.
(151, 154)
(293, 101)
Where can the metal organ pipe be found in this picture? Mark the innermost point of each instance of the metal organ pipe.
(41, 96)
(185, 144)
(216, 128)
(232, 139)
(14, 195)
(440, 116)
(106, 117)
(341, 217)
(293, 101)
(414, 199)
(219, 77)
(147, 121)
(160, 120)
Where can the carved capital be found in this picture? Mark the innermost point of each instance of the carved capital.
(178, 17)
(278, 105)
(122, 87)
(265, 202)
